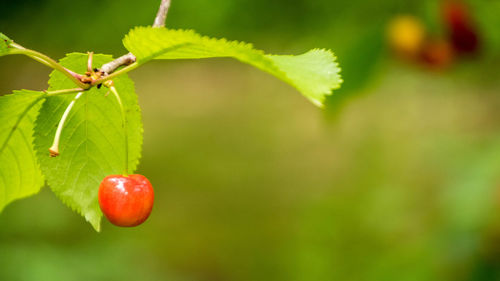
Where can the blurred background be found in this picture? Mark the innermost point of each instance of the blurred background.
(397, 179)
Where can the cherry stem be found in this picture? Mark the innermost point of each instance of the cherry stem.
(44, 59)
(54, 149)
(111, 86)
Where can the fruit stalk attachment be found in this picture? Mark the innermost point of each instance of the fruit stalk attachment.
(110, 84)
(54, 149)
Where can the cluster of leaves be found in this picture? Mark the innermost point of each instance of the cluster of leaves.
(92, 142)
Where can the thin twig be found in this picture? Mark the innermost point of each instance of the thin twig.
(103, 79)
(161, 16)
(129, 58)
(109, 67)
(89, 61)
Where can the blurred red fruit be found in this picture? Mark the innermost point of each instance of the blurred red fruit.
(463, 34)
(437, 54)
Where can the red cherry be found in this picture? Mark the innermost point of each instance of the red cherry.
(463, 33)
(455, 13)
(126, 200)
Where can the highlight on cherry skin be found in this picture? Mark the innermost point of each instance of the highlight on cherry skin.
(126, 200)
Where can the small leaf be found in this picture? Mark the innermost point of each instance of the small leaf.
(92, 140)
(5, 38)
(4, 44)
(20, 175)
(315, 74)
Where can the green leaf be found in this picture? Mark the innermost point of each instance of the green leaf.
(92, 140)
(5, 38)
(315, 74)
(4, 44)
(20, 175)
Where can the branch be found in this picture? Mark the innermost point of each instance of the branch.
(109, 67)
(161, 16)
(129, 58)
(89, 61)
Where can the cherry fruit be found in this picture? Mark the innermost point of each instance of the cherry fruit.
(126, 200)
(463, 33)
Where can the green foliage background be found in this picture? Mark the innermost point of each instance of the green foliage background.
(253, 182)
